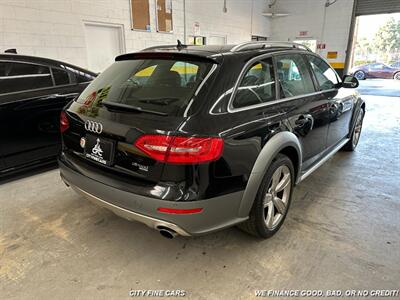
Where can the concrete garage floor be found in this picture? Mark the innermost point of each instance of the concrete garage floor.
(342, 232)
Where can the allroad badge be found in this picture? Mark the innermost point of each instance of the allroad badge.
(93, 126)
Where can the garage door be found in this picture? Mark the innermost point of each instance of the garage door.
(372, 7)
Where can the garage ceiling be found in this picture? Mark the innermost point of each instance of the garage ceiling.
(372, 7)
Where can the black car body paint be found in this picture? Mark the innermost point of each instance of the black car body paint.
(33, 91)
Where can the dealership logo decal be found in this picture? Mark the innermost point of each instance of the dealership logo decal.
(97, 149)
(97, 153)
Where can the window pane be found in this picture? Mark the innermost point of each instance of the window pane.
(164, 15)
(140, 14)
(25, 69)
(81, 76)
(186, 71)
(60, 76)
(294, 77)
(325, 75)
(4, 68)
(257, 85)
(143, 75)
(163, 85)
(23, 76)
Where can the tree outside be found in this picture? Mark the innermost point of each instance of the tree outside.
(381, 46)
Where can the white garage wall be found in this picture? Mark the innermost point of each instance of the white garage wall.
(238, 23)
(54, 28)
(308, 15)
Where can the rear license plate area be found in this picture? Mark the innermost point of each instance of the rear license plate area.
(99, 149)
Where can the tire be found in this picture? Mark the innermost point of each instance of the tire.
(261, 223)
(360, 75)
(396, 76)
(355, 135)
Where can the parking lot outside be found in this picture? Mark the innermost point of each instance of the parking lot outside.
(380, 87)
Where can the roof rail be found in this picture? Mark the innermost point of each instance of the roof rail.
(266, 44)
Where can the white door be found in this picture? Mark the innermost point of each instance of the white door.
(103, 43)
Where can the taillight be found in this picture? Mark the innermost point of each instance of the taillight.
(64, 122)
(180, 150)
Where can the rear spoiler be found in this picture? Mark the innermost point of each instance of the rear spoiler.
(168, 55)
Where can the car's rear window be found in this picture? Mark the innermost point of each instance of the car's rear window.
(161, 85)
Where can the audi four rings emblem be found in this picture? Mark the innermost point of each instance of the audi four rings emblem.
(93, 126)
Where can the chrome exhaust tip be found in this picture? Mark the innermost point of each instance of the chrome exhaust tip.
(166, 232)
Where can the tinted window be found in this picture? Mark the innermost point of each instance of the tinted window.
(15, 69)
(83, 77)
(79, 75)
(163, 85)
(257, 85)
(60, 76)
(326, 76)
(294, 77)
(16, 77)
(186, 71)
(377, 66)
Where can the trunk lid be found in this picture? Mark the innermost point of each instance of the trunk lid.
(114, 143)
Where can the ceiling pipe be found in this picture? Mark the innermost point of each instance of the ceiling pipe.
(225, 9)
(184, 22)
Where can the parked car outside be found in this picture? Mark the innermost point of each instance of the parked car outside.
(194, 139)
(33, 90)
(376, 70)
(396, 65)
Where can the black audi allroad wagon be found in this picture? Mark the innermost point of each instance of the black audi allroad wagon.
(193, 139)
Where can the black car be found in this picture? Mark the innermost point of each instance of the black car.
(193, 139)
(33, 91)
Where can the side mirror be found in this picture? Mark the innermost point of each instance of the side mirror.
(350, 82)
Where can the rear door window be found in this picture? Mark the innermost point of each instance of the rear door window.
(16, 77)
(257, 85)
(60, 76)
(79, 76)
(294, 77)
(162, 85)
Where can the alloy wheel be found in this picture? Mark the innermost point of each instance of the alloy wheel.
(277, 197)
(359, 75)
(397, 76)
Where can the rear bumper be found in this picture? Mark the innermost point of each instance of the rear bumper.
(218, 212)
(129, 215)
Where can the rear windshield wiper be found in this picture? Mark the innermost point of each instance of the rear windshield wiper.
(114, 106)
